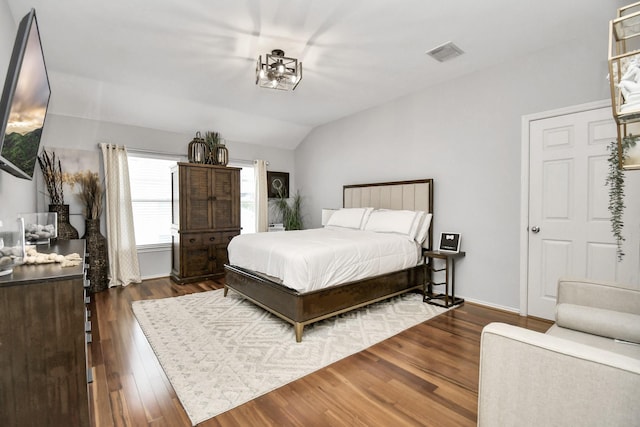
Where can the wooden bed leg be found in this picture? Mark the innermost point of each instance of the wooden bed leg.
(226, 290)
(298, 328)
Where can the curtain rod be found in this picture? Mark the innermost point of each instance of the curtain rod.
(166, 153)
(143, 151)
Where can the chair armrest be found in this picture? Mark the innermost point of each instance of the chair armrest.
(532, 379)
(598, 294)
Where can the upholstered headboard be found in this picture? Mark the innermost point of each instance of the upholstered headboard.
(411, 195)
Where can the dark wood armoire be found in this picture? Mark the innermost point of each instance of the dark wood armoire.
(205, 217)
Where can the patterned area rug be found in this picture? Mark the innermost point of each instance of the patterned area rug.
(221, 352)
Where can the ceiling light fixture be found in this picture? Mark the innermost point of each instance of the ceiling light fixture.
(278, 71)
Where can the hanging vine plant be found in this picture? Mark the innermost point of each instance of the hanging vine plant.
(615, 181)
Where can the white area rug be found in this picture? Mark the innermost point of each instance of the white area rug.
(221, 352)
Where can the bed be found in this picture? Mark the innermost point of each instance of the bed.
(309, 304)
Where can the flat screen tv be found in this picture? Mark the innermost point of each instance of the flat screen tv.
(24, 102)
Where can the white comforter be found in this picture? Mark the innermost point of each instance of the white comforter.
(313, 259)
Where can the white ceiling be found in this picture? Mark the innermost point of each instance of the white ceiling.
(187, 65)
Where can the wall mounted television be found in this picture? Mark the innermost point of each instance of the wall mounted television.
(24, 102)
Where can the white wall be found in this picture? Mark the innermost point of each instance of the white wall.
(466, 135)
(16, 195)
(84, 134)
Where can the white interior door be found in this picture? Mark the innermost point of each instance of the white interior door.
(569, 231)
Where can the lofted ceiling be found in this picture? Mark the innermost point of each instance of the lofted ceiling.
(189, 65)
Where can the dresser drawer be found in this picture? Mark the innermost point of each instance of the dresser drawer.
(189, 240)
(211, 238)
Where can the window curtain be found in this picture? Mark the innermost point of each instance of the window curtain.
(123, 256)
(262, 202)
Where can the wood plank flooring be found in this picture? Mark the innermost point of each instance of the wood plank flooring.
(424, 376)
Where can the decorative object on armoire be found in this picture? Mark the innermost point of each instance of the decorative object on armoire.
(198, 150)
(40, 227)
(615, 181)
(221, 154)
(66, 231)
(278, 71)
(212, 139)
(624, 78)
(90, 195)
(290, 211)
(12, 250)
(206, 199)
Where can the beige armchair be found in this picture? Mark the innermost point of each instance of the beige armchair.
(585, 371)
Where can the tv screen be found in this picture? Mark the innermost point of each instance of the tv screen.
(24, 101)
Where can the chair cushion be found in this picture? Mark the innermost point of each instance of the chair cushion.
(598, 321)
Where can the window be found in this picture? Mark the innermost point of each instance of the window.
(247, 198)
(150, 180)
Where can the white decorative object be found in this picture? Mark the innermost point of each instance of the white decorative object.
(35, 257)
(630, 87)
(40, 227)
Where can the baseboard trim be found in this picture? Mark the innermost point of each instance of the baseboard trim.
(491, 305)
(155, 276)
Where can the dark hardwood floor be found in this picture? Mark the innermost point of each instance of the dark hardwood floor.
(424, 376)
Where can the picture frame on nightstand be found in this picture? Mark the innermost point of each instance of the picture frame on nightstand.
(450, 242)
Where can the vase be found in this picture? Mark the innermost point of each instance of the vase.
(66, 231)
(98, 257)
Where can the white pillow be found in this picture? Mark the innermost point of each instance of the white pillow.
(402, 222)
(423, 229)
(349, 218)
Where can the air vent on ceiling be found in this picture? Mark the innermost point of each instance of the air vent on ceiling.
(445, 52)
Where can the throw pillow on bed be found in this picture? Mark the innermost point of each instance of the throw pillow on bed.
(349, 218)
(402, 222)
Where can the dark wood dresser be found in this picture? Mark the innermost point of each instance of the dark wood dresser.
(43, 354)
(205, 217)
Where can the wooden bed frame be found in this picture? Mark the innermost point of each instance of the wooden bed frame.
(301, 309)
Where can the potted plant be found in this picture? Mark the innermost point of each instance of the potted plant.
(615, 181)
(290, 210)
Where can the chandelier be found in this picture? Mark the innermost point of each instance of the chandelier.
(278, 71)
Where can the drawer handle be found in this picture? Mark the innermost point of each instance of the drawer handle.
(211, 239)
(192, 240)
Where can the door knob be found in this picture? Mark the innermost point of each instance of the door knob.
(535, 229)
